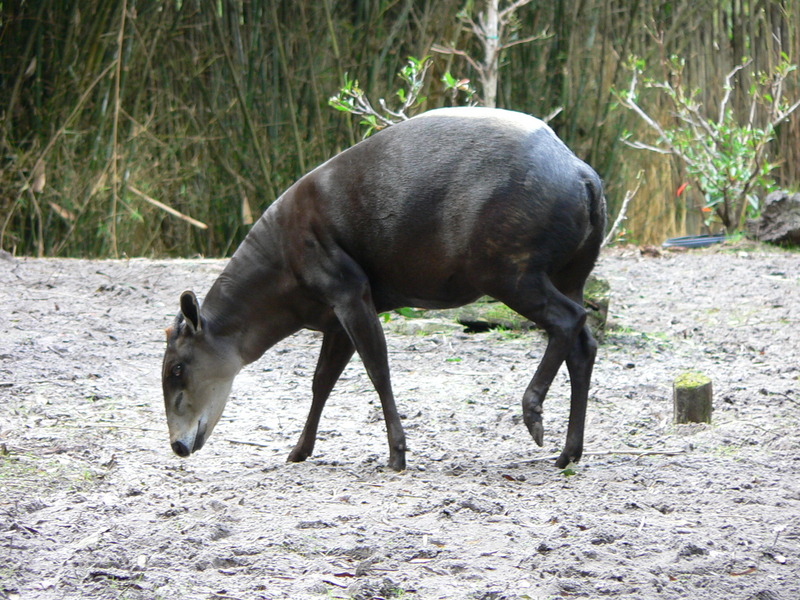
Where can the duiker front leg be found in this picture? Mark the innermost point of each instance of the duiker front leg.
(337, 349)
(347, 288)
(357, 314)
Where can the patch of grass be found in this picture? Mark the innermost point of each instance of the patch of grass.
(28, 471)
(410, 313)
(123, 590)
(626, 336)
(511, 334)
(726, 451)
(17, 468)
(743, 244)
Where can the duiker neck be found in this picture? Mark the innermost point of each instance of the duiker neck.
(246, 304)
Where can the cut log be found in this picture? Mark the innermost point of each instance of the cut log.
(692, 393)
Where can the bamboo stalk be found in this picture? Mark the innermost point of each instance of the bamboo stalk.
(263, 159)
(51, 143)
(319, 99)
(276, 24)
(23, 65)
(195, 113)
(114, 131)
(351, 137)
(74, 224)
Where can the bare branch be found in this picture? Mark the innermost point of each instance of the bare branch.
(531, 38)
(689, 111)
(643, 146)
(631, 103)
(511, 8)
(728, 89)
(448, 50)
(699, 122)
(397, 114)
(623, 209)
(553, 114)
(671, 148)
(785, 114)
(465, 20)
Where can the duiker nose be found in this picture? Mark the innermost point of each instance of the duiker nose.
(180, 449)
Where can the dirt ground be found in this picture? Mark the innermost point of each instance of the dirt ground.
(94, 505)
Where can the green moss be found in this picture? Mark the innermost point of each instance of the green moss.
(487, 313)
(596, 288)
(691, 379)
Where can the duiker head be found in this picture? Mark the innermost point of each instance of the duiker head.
(197, 375)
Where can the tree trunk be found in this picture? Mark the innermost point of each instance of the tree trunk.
(491, 46)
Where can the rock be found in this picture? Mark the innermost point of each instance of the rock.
(779, 222)
(485, 314)
(422, 326)
(764, 595)
(692, 550)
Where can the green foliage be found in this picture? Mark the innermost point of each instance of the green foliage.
(410, 313)
(724, 155)
(413, 75)
(352, 99)
(459, 87)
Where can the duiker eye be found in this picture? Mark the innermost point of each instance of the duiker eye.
(177, 370)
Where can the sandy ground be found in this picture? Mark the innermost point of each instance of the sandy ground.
(93, 504)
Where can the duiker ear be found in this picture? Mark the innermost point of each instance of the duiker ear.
(191, 310)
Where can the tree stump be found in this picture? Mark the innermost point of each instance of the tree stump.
(692, 398)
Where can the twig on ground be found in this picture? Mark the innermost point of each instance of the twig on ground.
(636, 453)
(788, 397)
(109, 426)
(246, 443)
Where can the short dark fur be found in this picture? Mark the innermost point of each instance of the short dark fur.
(433, 212)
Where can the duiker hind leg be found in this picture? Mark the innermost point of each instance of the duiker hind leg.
(580, 362)
(536, 298)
